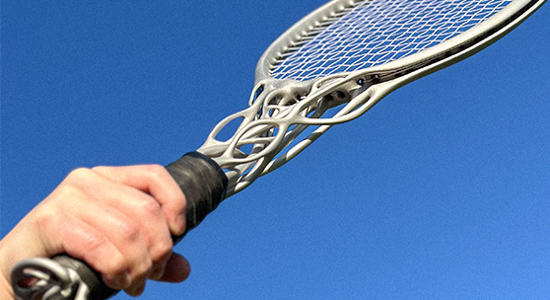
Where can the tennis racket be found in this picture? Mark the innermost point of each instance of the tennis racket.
(329, 68)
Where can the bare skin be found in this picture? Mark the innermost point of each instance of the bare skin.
(117, 219)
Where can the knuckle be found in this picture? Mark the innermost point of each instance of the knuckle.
(139, 271)
(143, 271)
(99, 169)
(115, 273)
(150, 207)
(104, 171)
(161, 251)
(117, 266)
(126, 271)
(128, 229)
(156, 169)
(79, 173)
(51, 219)
(157, 172)
(74, 187)
(69, 191)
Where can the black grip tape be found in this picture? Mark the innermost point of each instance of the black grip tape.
(204, 185)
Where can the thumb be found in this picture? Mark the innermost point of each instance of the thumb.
(177, 269)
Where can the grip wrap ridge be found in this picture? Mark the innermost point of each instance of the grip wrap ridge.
(203, 183)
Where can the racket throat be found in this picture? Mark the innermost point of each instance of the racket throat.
(277, 94)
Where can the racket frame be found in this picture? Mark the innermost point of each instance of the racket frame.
(268, 154)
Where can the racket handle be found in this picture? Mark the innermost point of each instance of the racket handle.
(204, 185)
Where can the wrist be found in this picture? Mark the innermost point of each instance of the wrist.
(6, 290)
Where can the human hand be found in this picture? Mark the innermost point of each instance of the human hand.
(119, 220)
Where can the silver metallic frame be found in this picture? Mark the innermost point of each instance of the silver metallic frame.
(299, 104)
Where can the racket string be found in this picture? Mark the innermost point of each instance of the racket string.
(371, 33)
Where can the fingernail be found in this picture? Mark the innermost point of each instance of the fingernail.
(157, 272)
(114, 282)
(136, 290)
(180, 224)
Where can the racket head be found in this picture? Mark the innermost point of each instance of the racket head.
(381, 36)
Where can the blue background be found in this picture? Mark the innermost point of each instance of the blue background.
(442, 191)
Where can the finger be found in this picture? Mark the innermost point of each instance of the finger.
(118, 212)
(132, 212)
(143, 226)
(136, 290)
(85, 242)
(156, 181)
(124, 213)
(177, 269)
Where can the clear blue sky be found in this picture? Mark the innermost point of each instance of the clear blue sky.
(442, 191)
